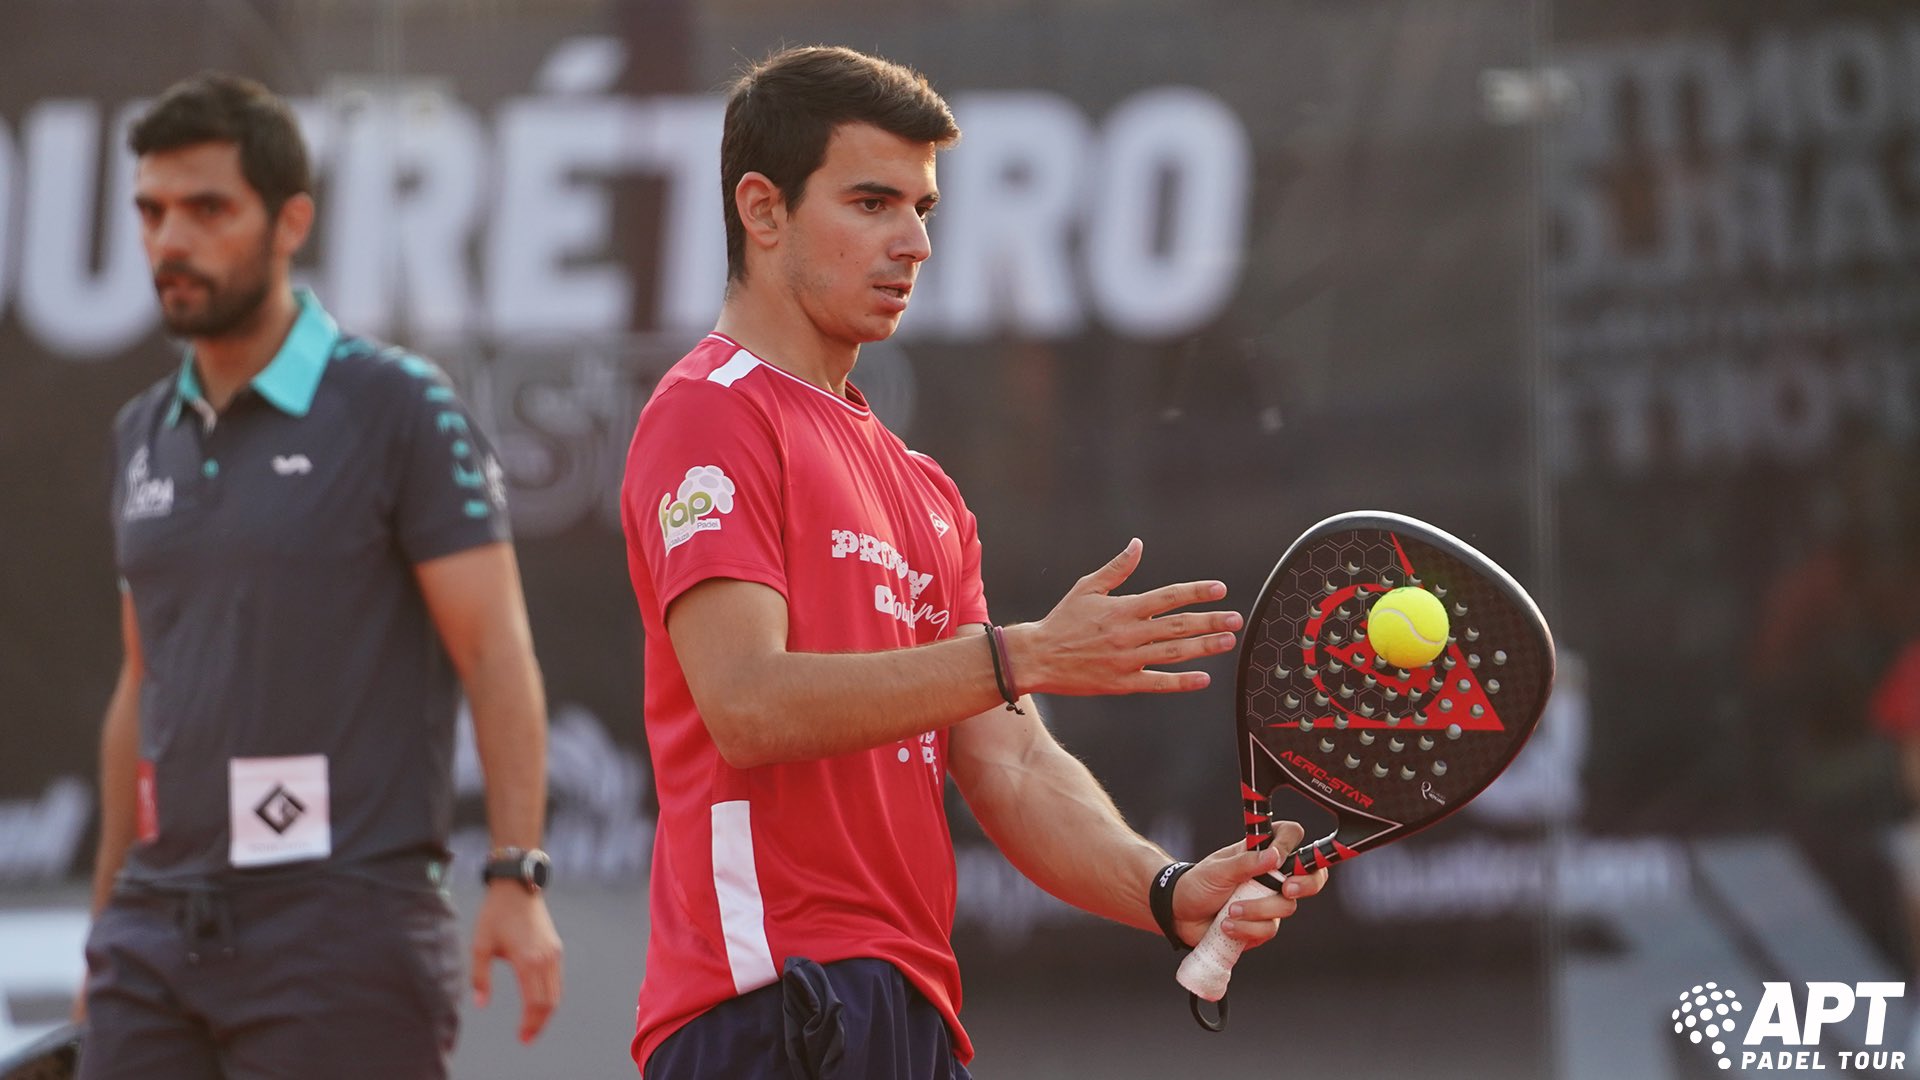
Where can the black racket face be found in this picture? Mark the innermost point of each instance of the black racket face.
(1387, 750)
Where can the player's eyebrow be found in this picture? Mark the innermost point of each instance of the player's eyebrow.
(888, 191)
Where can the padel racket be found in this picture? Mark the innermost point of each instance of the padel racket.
(1387, 750)
(53, 1056)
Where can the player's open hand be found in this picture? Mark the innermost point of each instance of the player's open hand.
(513, 925)
(1198, 896)
(1093, 642)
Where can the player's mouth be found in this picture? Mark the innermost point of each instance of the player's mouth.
(895, 293)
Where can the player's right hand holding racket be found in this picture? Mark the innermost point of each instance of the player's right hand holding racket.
(1207, 891)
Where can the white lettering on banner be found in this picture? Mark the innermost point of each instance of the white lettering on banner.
(549, 221)
(1016, 182)
(681, 136)
(76, 311)
(1768, 227)
(409, 161)
(1189, 140)
(1138, 219)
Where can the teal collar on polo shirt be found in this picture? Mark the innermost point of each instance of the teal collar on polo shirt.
(289, 380)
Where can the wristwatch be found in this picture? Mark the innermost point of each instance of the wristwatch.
(530, 868)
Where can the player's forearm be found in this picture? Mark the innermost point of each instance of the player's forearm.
(1057, 825)
(510, 732)
(789, 706)
(119, 761)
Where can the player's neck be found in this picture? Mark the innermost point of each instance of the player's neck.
(781, 334)
(230, 361)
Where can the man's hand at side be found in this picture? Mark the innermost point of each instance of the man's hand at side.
(513, 925)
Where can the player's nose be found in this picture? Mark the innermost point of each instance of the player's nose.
(914, 243)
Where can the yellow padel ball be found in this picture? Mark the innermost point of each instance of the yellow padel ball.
(1408, 627)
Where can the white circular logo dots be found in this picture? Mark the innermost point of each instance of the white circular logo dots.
(1705, 1018)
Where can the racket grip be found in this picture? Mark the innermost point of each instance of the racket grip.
(1207, 969)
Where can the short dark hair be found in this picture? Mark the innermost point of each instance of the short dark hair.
(782, 113)
(217, 107)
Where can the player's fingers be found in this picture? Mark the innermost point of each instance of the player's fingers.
(1262, 909)
(1165, 682)
(1184, 594)
(1115, 573)
(1162, 653)
(482, 976)
(1303, 885)
(1257, 921)
(1287, 836)
(1189, 624)
(538, 973)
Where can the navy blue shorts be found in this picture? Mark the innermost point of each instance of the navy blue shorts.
(325, 975)
(846, 1019)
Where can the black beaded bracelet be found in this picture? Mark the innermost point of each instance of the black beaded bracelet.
(1160, 899)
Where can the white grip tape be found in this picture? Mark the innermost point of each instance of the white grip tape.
(1209, 967)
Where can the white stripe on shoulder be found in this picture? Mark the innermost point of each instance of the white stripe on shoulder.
(918, 454)
(734, 369)
(736, 885)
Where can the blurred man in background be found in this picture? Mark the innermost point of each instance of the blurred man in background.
(312, 541)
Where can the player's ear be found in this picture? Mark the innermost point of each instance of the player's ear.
(292, 224)
(762, 209)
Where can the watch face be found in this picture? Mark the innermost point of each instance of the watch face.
(531, 868)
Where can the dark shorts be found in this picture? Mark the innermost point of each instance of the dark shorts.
(840, 1021)
(324, 975)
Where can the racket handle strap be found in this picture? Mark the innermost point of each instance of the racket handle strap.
(1209, 967)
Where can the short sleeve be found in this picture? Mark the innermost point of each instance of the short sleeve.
(705, 490)
(452, 491)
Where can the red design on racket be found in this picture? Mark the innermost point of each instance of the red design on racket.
(1387, 750)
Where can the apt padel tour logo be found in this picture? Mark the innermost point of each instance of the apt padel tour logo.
(1782, 1035)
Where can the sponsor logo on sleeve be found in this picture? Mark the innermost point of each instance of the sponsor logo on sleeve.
(705, 494)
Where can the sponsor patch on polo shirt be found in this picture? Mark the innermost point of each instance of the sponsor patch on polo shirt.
(278, 810)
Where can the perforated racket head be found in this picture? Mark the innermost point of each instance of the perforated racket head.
(1388, 751)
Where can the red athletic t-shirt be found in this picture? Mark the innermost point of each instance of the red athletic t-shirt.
(740, 470)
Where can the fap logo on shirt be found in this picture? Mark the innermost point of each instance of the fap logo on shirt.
(706, 491)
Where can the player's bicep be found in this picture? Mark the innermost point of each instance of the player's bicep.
(474, 599)
(724, 630)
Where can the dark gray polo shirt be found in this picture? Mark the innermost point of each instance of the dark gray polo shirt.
(298, 704)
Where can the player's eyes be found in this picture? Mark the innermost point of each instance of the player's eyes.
(873, 206)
